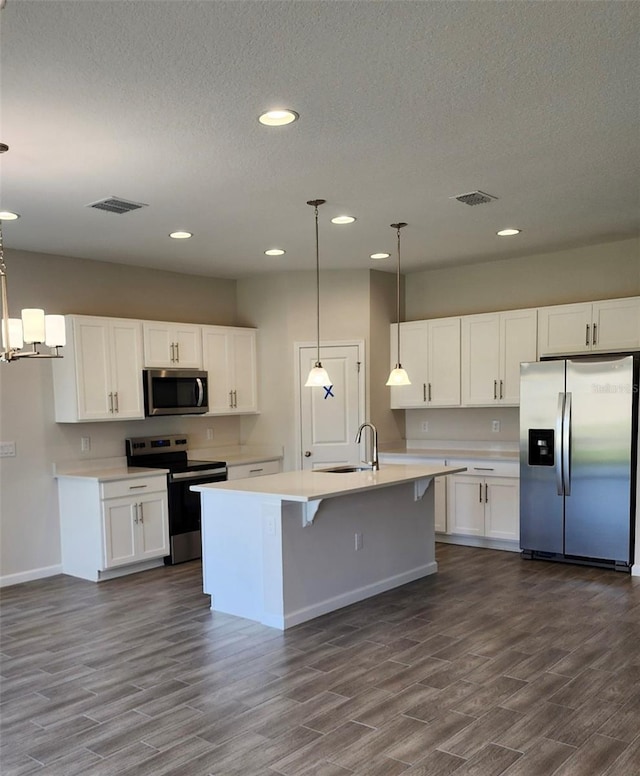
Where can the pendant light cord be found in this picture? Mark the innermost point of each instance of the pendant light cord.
(398, 227)
(317, 285)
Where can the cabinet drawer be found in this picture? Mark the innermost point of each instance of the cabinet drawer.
(487, 468)
(256, 469)
(131, 487)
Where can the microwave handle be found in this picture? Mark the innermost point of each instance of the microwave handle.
(200, 399)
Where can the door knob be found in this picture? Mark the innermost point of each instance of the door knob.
(307, 453)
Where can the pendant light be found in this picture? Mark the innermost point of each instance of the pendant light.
(318, 374)
(398, 375)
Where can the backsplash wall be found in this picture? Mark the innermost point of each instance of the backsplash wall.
(464, 424)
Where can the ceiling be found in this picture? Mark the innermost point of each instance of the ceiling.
(403, 105)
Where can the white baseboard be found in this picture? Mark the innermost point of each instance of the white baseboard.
(635, 570)
(350, 597)
(479, 541)
(29, 576)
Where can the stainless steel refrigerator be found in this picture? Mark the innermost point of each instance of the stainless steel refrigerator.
(578, 459)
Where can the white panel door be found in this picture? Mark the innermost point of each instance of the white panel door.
(244, 371)
(188, 346)
(119, 532)
(413, 357)
(465, 501)
(502, 507)
(616, 324)
(480, 359)
(564, 329)
(153, 527)
(215, 346)
(93, 369)
(330, 416)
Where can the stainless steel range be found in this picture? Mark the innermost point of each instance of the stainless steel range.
(171, 452)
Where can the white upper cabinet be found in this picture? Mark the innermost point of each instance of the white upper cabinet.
(493, 346)
(430, 353)
(172, 345)
(229, 358)
(608, 325)
(100, 375)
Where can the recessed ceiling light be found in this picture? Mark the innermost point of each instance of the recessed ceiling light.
(508, 232)
(278, 118)
(380, 255)
(343, 220)
(181, 235)
(274, 252)
(7, 215)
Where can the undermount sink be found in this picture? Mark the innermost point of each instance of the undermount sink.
(346, 469)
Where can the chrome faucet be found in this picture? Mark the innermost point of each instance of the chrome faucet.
(374, 464)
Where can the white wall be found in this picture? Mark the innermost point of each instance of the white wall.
(283, 308)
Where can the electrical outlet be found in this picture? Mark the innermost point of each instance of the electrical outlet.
(209, 433)
(358, 541)
(495, 425)
(7, 449)
(425, 425)
(85, 444)
(271, 526)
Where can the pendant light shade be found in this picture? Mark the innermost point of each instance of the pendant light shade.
(318, 376)
(398, 376)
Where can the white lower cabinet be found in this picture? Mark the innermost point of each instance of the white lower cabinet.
(255, 469)
(113, 527)
(135, 529)
(481, 503)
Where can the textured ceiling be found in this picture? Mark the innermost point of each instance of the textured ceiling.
(402, 106)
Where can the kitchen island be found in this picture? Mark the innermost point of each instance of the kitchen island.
(288, 547)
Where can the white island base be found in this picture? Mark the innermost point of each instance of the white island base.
(282, 562)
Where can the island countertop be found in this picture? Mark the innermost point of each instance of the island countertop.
(305, 486)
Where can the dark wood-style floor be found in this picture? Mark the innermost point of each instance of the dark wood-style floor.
(495, 665)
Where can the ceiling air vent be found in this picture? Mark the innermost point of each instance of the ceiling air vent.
(116, 205)
(475, 198)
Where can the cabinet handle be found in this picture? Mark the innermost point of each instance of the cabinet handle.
(424, 391)
(177, 352)
(115, 396)
(173, 357)
(136, 487)
(110, 402)
(486, 493)
(235, 398)
(482, 469)
(586, 339)
(141, 516)
(231, 398)
(595, 333)
(480, 493)
(429, 391)
(495, 389)
(501, 396)
(135, 509)
(255, 471)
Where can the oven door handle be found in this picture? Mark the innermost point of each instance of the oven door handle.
(198, 475)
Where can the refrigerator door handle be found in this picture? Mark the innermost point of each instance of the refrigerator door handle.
(566, 445)
(559, 442)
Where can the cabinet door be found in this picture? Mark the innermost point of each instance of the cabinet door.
(518, 343)
(188, 346)
(413, 356)
(119, 532)
(244, 382)
(502, 508)
(465, 499)
(564, 329)
(480, 359)
(443, 362)
(153, 527)
(126, 369)
(93, 368)
(215, 355)
(159, 350)
(616, 324)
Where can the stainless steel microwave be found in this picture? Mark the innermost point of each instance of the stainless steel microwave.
(175, 392)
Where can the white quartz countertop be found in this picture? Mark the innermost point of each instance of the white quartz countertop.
(314, 485)
(108, 474)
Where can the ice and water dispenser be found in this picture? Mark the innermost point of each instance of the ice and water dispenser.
(541, 447)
